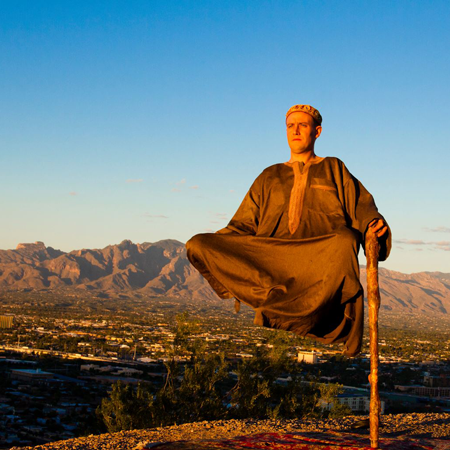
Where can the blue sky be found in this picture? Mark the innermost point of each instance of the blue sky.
(147, 120)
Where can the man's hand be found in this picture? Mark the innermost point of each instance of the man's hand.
(378, 227)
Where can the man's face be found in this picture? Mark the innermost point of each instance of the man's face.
(302, 132)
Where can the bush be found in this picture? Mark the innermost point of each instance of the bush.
(126, 409)
(204, 389)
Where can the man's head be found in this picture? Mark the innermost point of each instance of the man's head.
(303, 127)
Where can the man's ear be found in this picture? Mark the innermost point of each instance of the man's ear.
(318, 131)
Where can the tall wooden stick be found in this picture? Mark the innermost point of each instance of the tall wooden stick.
(373, 297)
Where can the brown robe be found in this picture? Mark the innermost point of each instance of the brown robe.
(290, 251)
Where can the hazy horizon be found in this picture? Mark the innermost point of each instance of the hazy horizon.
(362, 261)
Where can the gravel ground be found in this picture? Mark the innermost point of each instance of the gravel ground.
(414, 425)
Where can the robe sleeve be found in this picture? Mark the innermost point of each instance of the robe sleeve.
(246, 219)
(361, 209)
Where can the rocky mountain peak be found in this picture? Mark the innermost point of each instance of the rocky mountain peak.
(126, 244)
(36, 246)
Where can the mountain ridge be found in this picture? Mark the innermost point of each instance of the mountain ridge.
(162, 269)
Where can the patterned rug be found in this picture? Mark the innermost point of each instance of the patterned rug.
(304, 441)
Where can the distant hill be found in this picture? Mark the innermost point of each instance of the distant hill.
(155, 269)
(162, 269)
(423, 293)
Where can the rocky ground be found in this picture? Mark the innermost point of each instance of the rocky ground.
(414, 425)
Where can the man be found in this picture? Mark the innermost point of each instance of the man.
(290, 251)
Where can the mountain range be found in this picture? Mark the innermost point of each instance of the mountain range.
(162, 269)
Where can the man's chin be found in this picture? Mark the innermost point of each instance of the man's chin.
(299, 151)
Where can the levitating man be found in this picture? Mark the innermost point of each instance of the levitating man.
(290, 251)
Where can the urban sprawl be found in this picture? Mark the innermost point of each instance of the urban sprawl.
(58, 362)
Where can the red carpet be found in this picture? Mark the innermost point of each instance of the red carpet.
(305, 441)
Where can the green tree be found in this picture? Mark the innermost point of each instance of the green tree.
(199, 397)
(329, 401)
(252, 393)
(126, 408)
(185, 328)
(195, 396)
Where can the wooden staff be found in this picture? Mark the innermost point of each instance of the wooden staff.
(373, 297)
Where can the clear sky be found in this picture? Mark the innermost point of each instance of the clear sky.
(147, 120)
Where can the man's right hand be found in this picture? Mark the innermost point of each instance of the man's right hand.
(378, 227)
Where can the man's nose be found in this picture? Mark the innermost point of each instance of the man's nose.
(297, 129)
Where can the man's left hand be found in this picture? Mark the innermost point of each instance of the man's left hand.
(378, 227)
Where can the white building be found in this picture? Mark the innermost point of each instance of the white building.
(358, 403)
(308, 357)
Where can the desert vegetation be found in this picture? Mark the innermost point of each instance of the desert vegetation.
(263, 386)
